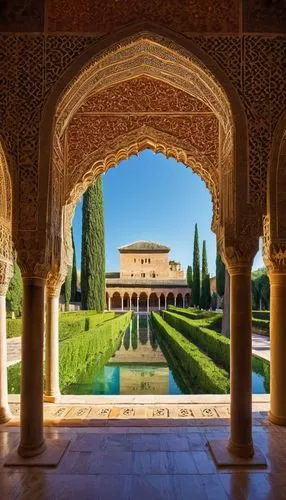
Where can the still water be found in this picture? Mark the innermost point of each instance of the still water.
(138, 366)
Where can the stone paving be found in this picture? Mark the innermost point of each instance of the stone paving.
(154, 463)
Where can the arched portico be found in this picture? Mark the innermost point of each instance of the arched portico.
(213, 142)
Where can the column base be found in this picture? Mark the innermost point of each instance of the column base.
(276, 420)
(49, 456)
(223, 457)
(55, 398)
(31, 451)
(5, 414)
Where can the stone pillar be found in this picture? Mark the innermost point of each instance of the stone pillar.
(240, 442)
(165, 302)
(109, 303)
(52, 386)
(159, 305)
(32, 441)
(277, 414)
(5, 413)
(130, 304)
(184, 301)
(147, 303)
(137, 303)
(175, 300)
(122, 303)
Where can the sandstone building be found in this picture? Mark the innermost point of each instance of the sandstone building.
(147, 279)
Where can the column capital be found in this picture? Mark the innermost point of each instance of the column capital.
(274, 250)
(55, 280)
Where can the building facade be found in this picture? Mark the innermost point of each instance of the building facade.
(147, 280)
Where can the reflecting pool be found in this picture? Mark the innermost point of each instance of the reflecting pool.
(140, 366)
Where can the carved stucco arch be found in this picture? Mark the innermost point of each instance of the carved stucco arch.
(274, 237)
(6, 248)
(187, 67)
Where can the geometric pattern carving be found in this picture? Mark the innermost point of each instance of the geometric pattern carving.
(102, 17)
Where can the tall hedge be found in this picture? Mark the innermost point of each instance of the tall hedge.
(205, 299)
(67, 288)
(14, 296)
(196, 270)
(93, 251)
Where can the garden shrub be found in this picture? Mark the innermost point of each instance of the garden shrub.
(77, 352)
(191, 360)
(260, 326)
(261, 315)
(212, 343)
(13, 327)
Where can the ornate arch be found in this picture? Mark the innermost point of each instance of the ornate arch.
(168, 57)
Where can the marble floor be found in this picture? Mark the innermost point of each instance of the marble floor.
(146, 463)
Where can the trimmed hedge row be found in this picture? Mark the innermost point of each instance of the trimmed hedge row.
(261, 315)
(260, 326)
(79, 351)
(13, 327)
(212, 343)
(192, 361)
(70, 323)
(208, 319)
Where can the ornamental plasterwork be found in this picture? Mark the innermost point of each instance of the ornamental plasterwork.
(136, 291)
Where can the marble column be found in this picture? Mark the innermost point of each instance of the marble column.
(137, 304)
(5, 413)
(109, 303)
(32, 441)
(52, 386)
(147, 303)
(165, 302)
(277, 414)
(184, 301)
(122, 303)
(175, 300)
(240, 442)
(159, 303)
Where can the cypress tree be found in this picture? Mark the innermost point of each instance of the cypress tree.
(205, 299)
(190, 276)
(74, 273)
(220, 275)
(196, 270)
(67, 288)
(93, 251)
(14, 296)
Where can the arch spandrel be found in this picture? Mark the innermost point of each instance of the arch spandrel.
(6, 247)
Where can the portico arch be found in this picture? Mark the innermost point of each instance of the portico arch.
(213, 143)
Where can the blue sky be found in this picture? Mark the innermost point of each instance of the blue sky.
(149, 197)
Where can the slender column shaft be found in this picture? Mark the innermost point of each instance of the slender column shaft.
(5, 413)
(137, 304)
(130, 304)
(148, 304)
(52, 389)
(109, 303)
(165, 302)
(240, 442)
(159, 304)
(277, 413)
(32, 440)
(184, 301)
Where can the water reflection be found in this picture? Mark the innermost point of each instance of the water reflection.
(141, 363)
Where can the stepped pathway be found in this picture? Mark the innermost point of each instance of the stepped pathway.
(260, 347)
